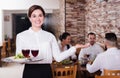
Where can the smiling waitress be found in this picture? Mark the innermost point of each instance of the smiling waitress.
(44, 41)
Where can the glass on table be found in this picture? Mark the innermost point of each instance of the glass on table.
(87, 55)
(74, 60)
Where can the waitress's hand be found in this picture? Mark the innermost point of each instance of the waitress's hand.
(81, 45)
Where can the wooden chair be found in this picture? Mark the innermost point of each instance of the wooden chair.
(107, 76)
(65, 72)
(112, 72)
(4, 51)
(0, 56)
(13, 46)
(9, 46)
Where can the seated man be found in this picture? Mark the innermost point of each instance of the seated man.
(91, 51)
(110, 59)
(64, 43)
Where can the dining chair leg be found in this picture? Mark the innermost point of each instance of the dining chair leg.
(0, 56)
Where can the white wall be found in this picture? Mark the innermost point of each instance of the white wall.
(22, 5)
(25, 4)
(7, 25)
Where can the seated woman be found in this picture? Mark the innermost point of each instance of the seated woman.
(64, 44)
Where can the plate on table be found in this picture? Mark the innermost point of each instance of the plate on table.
(66, 62)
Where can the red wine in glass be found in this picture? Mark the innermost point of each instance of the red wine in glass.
(26, 53)
(88, 57)
(34, 52)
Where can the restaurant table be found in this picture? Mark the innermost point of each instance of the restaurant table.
(83, 73)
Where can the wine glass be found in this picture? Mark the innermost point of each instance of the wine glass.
(34, 52)
(26, 53)
(88, 55)
(74, 60)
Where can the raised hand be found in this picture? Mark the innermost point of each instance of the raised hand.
(82, 46)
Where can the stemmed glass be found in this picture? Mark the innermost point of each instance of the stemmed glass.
(88, 55)
(26, 53)
(34, 52)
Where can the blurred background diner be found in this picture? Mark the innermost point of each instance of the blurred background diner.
(109, 59)
(65, 43)
(90, 53)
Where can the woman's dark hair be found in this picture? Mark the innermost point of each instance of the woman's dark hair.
(35, 7)
(64, 36)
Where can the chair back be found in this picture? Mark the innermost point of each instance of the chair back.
(65, 72)
(112, 72)
(9, 45)
(4, 52)
(107, 76)
(0, 56)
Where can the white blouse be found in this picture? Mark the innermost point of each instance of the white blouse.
(65, 48)
(45, 42)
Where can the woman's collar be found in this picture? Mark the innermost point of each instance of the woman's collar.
(31, 30)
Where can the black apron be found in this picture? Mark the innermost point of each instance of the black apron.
(37, 71)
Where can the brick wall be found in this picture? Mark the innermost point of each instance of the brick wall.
(59, 19)
(92, 17)
(79, 19)
(75, 21)
(103, 17)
